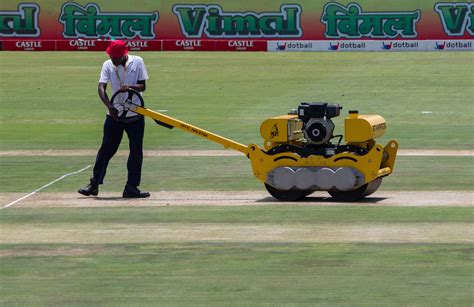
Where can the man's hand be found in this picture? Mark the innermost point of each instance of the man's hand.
(124, 88)
(113, 113)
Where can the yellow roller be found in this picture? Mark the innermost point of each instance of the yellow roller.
(298, 156)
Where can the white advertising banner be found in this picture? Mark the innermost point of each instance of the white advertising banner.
(370, 45)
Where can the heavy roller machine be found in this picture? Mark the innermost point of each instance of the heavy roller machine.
(298, 156)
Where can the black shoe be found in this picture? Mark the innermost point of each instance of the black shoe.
(133, 192)
(91, 189)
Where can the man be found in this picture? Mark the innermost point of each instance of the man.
(124, 72)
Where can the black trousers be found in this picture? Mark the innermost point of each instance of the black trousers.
(113, 132)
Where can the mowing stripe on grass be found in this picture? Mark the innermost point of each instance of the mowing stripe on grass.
(43, 187)
(114, 233)
(207, 153)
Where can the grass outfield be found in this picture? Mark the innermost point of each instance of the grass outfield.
(25, 174)
(236, 274)
(51, 99)
(235, 255)
(283, 214)
(226, 272)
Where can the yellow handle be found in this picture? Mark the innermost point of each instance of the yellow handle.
(227, 143)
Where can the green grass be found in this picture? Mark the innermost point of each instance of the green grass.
(25, 174)
(233, 273)
(237, 274)
(51, 99)
(284, 214)
(50, 102)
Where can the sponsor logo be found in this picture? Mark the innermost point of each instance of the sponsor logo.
(82, 43)
(333, 47)
(274, 132)
(347, 46)
(457, 18)
(28, 45)
(89, 22)
(136, 45)
(281, 46)
(454, 45)
(351, 22)
(378, 127)
(294, 46)
(20, 23)
(211, 20)
(240, 44)
(400, 45)
(299, 45)
(190, 44)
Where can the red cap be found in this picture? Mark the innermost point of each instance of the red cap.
(117, 49)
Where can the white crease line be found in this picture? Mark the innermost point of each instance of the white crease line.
(45, 186)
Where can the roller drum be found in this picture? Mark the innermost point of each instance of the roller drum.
(305, 178)
(324, 178)
(315, 178)
(283, 178)
(345, 179)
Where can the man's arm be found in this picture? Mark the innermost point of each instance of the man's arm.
(140, 86)
(105, 99)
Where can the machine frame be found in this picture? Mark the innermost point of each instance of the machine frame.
(372, 166)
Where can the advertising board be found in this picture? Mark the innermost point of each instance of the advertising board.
(300, 25)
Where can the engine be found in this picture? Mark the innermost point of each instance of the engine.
(309, 130)
(318, 127)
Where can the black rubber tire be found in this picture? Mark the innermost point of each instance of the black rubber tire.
(357, 194)
(373, 186)
(349, 196)
(287, 195)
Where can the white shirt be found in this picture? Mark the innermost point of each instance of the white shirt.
(133, 71)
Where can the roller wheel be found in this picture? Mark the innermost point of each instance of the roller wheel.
(349, 196)
(373, 186)
(287, 195)
(357, 194)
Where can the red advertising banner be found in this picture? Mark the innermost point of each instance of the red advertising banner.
(145, 45)
(101, 45)
(81, 45)
(214, 45)
(226, 25)
(240, 45)
(28, 45)
(187, 45)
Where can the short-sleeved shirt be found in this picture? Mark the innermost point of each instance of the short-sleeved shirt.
(133, 71)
